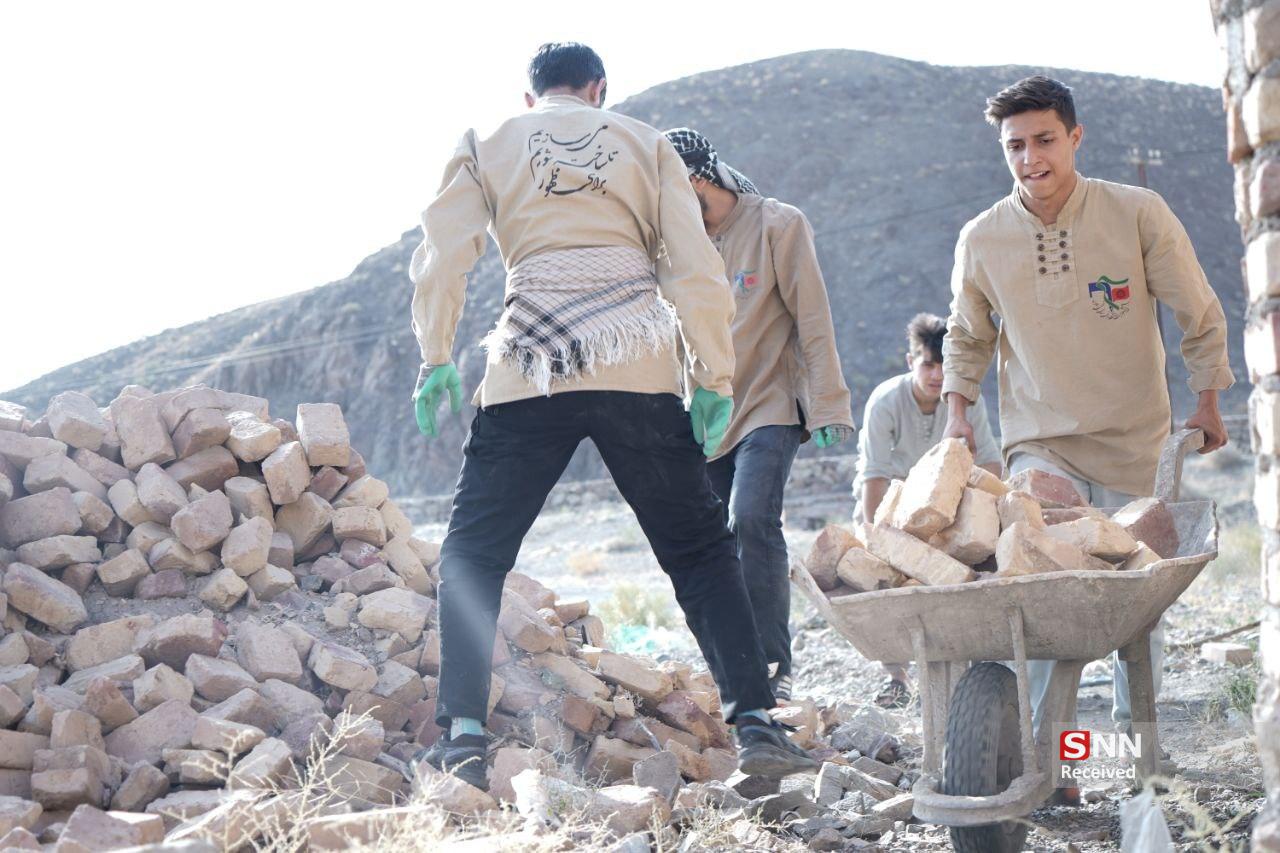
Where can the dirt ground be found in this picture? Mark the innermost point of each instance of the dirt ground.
(587, 545)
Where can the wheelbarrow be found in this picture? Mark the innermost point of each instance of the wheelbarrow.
(983, 766)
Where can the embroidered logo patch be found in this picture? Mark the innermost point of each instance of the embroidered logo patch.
(745, 280)
(1110, 299)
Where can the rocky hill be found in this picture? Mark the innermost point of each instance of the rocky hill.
(887, 157)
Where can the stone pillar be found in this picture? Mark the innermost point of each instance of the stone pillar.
(1249, 33)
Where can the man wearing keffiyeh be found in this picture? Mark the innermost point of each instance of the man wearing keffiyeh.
(580, 202)
(787, 382)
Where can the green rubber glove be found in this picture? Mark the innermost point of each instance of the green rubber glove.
(830, 436)
(710, 413)
(433, 381)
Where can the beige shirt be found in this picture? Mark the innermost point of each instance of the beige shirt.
(895, 433)
(566, 175)
(1081, 368)
(783, 337)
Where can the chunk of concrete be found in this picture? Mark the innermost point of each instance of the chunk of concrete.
(247, 546)
(140, 788)
(200, 430)
(341, 667)
(43, 598)
(1100, 537)
(178, 638)
(266, 652)
(249, 499)
(209, 469)
(144, 437)
(359, 522)
(287, 473)
(323, 433)
(634, 675)
(161, 494)
(972, 537)
(1050, 490)
(1024, 550)
(121, 574)
(223, 590)
(58, 552)
(158, 685)
(124, 499)
(203, 523)
(106, 641)
(932, 491)
(40, 516)
(49, 472)
(400, 610)
(1020, 507)
(825, 555)
(1148, 520)
(365, 491)
(167, 726)
(863, 571)
(1235, 654)
(96, 514)
(914, 558)
(251, 439)
(304, 521)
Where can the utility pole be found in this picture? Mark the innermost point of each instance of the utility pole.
(1140, 159)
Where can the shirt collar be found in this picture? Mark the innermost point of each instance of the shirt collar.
(1065, 216)
(744, 199)
(549, 100)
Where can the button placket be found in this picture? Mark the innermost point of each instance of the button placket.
(1056, 281)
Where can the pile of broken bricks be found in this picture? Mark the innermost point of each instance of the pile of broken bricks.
(952, 522)
(197, 599)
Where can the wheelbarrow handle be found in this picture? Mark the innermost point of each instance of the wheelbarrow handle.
(1169, 472)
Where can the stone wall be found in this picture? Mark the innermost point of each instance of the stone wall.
(1249, 32)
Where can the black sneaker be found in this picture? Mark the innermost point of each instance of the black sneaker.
(463, 757)
(765, 750)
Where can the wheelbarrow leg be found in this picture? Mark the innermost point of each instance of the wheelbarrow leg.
(1058, 712)
(1142, 701)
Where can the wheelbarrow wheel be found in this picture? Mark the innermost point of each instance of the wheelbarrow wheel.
(984, 753)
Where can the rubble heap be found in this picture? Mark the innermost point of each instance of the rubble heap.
(951, 521)
(192, 590)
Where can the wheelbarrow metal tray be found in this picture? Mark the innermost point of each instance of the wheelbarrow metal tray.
(1065, 615)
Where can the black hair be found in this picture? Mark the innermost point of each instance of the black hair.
(1033, 93)
(564, 63)
(925, 333)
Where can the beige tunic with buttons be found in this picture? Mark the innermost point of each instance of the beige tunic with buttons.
(1081, 363)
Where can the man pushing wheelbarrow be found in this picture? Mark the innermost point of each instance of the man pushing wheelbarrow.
(1074, 268)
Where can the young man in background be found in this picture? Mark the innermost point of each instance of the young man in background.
(787, 376)
(903, 419)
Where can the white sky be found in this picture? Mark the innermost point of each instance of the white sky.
(161, 162)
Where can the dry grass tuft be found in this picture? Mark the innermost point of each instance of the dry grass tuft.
(585, 563)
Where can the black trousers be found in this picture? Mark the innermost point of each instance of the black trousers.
(514, 454)
(750, 480)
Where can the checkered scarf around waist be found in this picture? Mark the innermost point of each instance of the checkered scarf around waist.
(570, 311)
